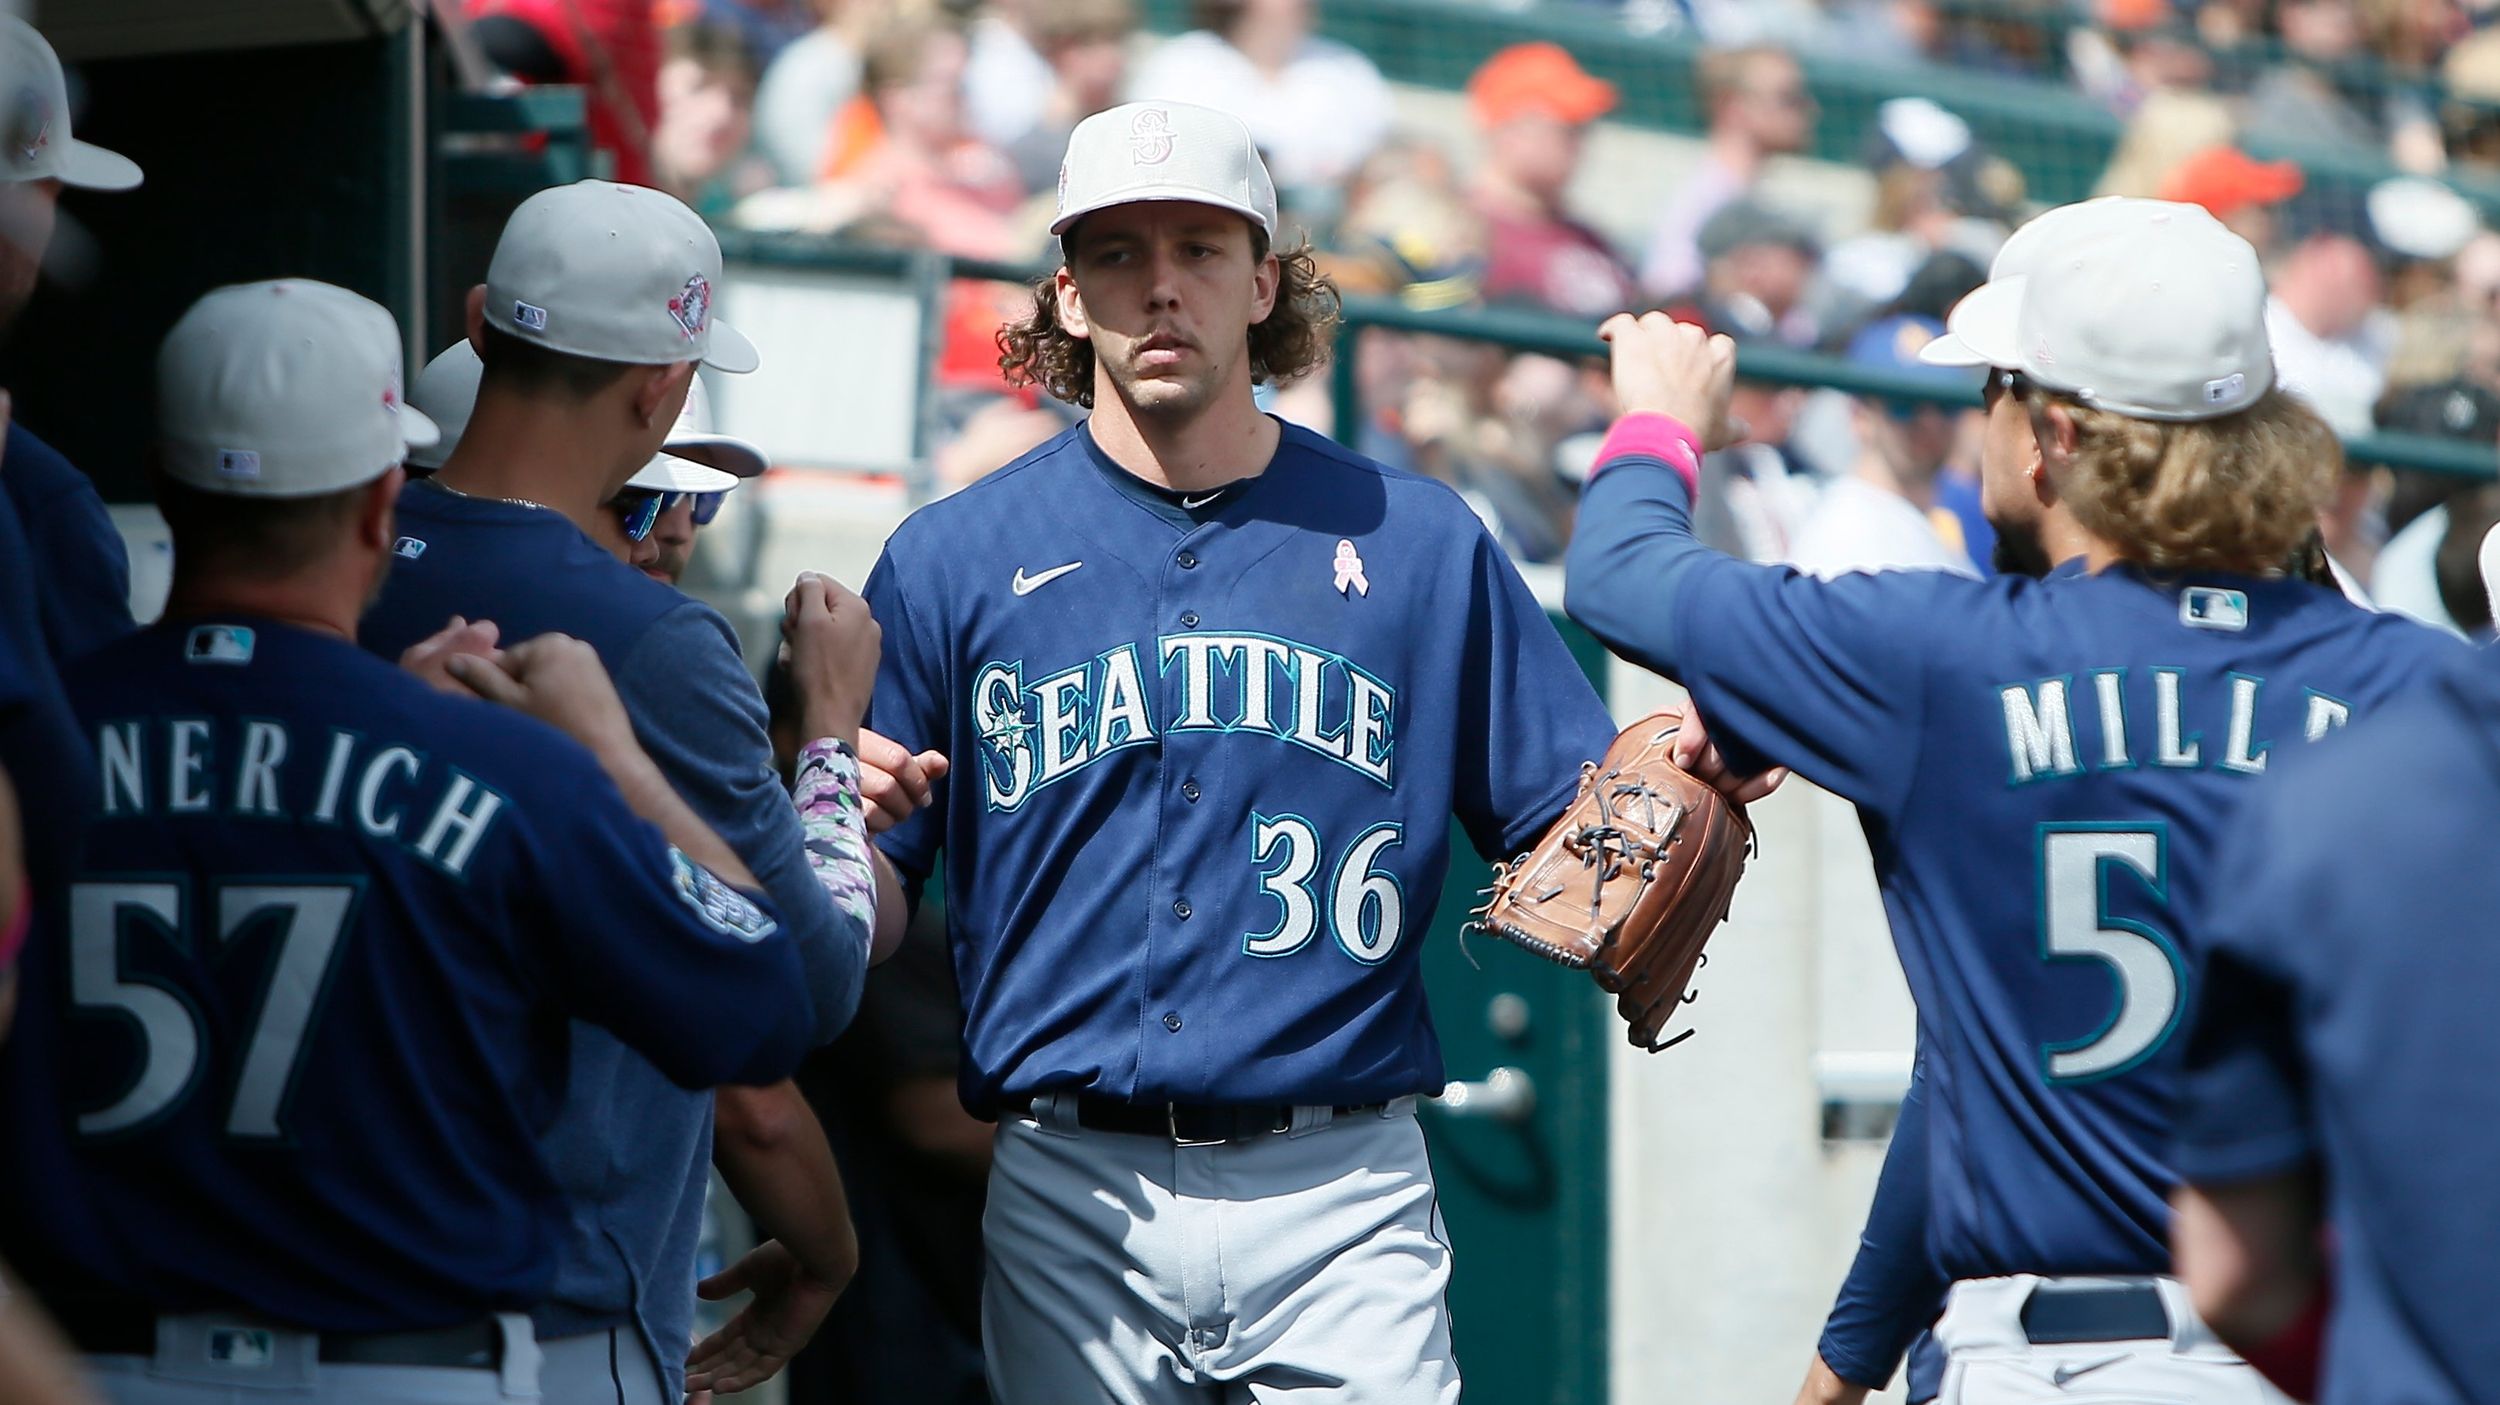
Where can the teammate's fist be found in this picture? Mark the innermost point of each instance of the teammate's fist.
(1675, 369)
(558, 680)
(833, 643)
(430, 658)
(893, 781)
(1699, 756)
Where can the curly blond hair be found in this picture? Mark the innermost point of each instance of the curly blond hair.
(1289, 344)
(2240, 493)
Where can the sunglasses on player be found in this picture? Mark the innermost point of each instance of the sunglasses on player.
(2002, 383)
(641, 509)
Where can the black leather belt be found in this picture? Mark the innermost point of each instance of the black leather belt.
(1188, 1124)
(2119, 1311)
(476, 1345)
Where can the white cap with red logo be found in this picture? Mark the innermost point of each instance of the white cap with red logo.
(613, 272)
(35, 143)
(286, 389)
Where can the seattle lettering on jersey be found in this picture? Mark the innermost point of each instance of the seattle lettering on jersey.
(1052, 728)
(178, 766)
(2040, 725)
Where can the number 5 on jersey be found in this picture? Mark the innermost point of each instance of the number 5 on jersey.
(2077, 865)
(1366, 909)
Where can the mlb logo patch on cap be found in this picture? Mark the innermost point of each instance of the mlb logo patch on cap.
(218, 643)
(534, 318)
(238, 463)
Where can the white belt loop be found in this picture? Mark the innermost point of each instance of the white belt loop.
(2189, 1336)
(1986, 1314)
(1057, 1113)
(1309, 1118)
(1402, 1106)
(523, 1363)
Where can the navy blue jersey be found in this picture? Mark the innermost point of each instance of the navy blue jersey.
(2344, 1023)
(290, 1044)
(40, 745)
(2046, 771)
(75, 552)
(1204, 770)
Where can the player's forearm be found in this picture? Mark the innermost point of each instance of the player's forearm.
(1825, 1386)
(1633, 542)
(2248, 1253)
(825, 791)
(772, 1153)
(651, 797)
(1894, 1290)
(35, 1367)
(893, 908)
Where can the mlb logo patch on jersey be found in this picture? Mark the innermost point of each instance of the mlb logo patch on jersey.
(724, 909)
(408, 548)
(242, 1346)
(218, 643)
(2212, 607)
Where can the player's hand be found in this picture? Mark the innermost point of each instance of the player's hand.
(788, 1306)
(430, 658)
(1693, 750)
(833, 643)
(893, 781)
(1675, 369)
(558, 680)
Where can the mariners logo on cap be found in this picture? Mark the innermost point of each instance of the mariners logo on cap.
(30, 124)
(1150, 137)
(692, 307)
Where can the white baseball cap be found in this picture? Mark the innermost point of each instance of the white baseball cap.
(446, 391)
(284, 389)
(1144, 151)
(613, 273)
(696, 460)
(35, 143)
(2157, 313)
(2029, 247)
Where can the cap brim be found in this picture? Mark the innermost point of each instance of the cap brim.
(1982, 329)
(91, 167)
(417, 429)
(667, 473)
(730, 350)
(1144, 194)
(725, 452)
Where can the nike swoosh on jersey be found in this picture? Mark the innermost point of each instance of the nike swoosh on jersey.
(2063, 1374)
(1202, 502)
(1026, 585)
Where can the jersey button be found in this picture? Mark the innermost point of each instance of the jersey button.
(1189, 619)
(1172, 1022)
(1189, 791)
(1182, 909)
(1188, 560)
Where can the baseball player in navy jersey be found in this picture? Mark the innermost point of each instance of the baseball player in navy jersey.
(596, 308)
(2338, 1066)
(274, 1098)
(1213, 689)
(2046, 768)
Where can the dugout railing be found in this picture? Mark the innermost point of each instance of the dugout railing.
(922, 280)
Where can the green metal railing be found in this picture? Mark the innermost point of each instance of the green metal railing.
(1553, 335)
(1512, 329)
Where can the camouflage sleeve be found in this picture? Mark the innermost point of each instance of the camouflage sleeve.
(826, 792)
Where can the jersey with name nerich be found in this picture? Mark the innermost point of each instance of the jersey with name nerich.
(290, 1044)
(1203, 775)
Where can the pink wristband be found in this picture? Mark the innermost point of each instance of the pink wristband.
(1656, 436)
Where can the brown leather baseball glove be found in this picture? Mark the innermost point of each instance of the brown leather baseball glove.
(1631, 881)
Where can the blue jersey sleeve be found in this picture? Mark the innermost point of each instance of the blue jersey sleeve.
(910, 708)
(78, 552)
(633, 936)
(1894, 1290)
(1530, 716)
(1825, 677)
(699, 715)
